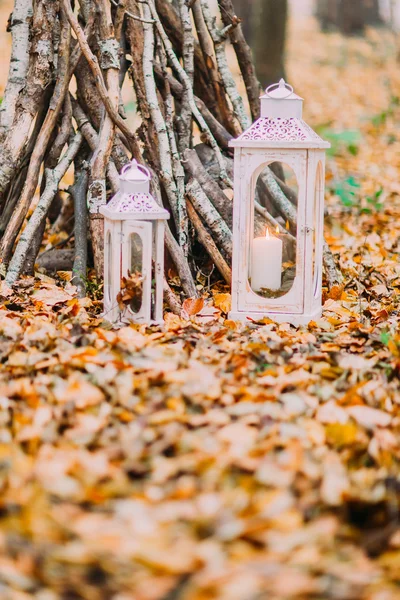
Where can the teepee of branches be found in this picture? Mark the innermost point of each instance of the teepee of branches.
(63, 106)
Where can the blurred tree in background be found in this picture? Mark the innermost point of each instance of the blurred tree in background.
(347, 16)
(264, 24)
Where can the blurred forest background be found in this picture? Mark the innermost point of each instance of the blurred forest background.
(267, 25)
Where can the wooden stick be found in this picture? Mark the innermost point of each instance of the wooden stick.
(225, 73)
(243, 54)
(56, 103)
(188, 87)
(19, 63)
(195, 168)
(78, 191)
(53, 178)
(208, 244)
(185, 117)
(171, 299)
(211, 216)
(175, 195)
(99, 81)
(213, 73)
(333, 275)
(31, 97)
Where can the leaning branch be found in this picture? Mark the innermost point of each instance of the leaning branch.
(189, 90)
(53, 178)
(219, 229)
(20, 20)
(43, 139)
(98, 78)
(243, 54)
(209, 245)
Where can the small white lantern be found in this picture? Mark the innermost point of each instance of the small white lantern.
(278, 275)
(134, 230)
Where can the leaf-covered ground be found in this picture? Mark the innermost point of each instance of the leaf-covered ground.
(210, 461)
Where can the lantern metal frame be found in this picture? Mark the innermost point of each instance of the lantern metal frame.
(280, 135)
(133, 211)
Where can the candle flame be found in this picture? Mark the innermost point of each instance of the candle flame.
(267, 234)
(277, 229)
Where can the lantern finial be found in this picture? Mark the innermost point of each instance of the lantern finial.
(133, 171)
(135, 178)
(280, 101)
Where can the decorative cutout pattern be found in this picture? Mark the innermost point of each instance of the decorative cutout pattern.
(134, 203)
(280, 130)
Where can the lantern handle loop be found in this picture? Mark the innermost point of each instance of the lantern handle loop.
(281, 84)
(134, 163)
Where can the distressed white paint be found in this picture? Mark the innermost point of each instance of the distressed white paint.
(286, 139)
(133, 210)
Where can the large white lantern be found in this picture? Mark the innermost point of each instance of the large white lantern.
(277, 270)
(134, 230)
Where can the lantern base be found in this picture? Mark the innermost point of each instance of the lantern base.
(122, 321)
(296, 320)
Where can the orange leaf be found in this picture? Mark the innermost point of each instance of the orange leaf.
(192, 306)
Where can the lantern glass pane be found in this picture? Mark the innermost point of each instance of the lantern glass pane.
(319, 185)
(273, 244)
(136, 271)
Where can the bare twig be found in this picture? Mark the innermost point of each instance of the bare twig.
(92, 138)
(131, 15)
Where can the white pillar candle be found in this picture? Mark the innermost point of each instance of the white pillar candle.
(266, 263)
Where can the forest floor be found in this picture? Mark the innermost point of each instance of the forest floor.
(207, 460)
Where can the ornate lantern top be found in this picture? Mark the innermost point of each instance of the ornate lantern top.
(281, 124)
(133, 200)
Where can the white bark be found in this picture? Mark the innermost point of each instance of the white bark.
(164, 149)
(188, 64)
(218, 37)
(20, 21)
(220, 230)
(185, 80)
(53, 178)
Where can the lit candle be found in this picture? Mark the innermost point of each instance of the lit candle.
(266, 263)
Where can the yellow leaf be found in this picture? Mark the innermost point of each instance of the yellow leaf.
(223, 302)
(341, 434)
